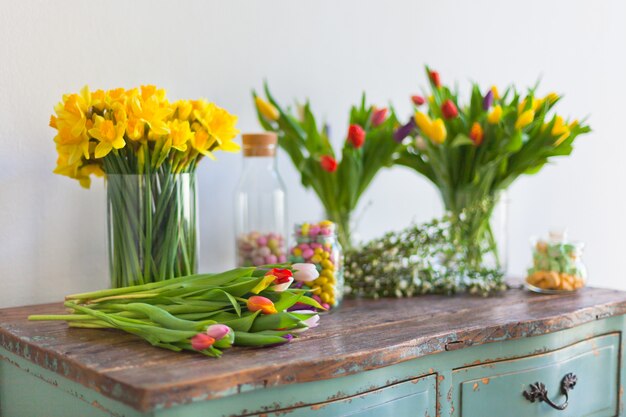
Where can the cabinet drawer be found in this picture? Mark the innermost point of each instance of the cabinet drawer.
(417, 397)
(496, 389)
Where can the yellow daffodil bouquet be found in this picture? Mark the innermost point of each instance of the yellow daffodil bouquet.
(369, 146)
(472, 152)
(148, 149)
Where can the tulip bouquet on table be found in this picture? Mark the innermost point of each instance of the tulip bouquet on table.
(148, 148)
(472, 152)
(205, 313)
(339, 184)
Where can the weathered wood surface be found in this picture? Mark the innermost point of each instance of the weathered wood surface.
(362, 335)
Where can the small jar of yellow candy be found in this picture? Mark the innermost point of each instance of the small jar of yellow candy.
(317, 243)
(557, 265)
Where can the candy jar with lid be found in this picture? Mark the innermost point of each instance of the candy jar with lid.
(557, 265)
(260, 204)
(317, 244)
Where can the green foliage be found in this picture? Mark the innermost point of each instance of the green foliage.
(306, 140)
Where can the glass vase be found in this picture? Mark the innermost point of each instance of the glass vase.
(152, 227)
(479, 230)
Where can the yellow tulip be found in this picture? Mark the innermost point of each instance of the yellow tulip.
(266, 109)
(496, 93)
(495, 115)
(525, 119)
(561, 130)
(552, 97)
(439, 132)
(424, 123)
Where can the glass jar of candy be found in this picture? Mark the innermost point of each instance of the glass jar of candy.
(260, 204)
(317, 244)
(557, 265)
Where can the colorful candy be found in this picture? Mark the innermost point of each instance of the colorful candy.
(557, 264)
(255, 249)
(317, 244)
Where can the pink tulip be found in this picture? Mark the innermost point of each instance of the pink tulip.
(217, 331)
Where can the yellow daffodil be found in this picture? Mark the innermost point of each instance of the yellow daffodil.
(266, 109)
(495, 115)
(183, 109)
(202, 142)
(439, 132)
(152, 109)
(110, 135)
(525, 119)
(180, 133)
(135, 128)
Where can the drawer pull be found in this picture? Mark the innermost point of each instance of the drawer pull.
(538, 392)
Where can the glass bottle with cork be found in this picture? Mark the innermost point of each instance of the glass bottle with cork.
(260, 204)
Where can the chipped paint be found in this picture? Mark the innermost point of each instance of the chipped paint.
(485, 381)
(475, 386)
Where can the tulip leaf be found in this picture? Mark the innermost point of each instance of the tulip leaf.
(282, 320)
(257, 339)
(460, 140)
(244, 323)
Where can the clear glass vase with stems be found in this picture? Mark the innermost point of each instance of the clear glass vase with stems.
(479, 229)
(152, 227)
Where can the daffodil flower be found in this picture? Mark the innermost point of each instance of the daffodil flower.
(111, 136)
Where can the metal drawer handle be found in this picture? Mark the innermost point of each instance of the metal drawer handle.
(538, 391)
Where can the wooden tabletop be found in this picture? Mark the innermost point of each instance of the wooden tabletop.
(362, 335)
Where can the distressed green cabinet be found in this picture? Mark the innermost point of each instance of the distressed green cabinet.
(429, 356)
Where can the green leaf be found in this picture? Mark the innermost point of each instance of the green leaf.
(460, 140)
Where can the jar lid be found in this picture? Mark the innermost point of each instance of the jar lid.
(259, 144)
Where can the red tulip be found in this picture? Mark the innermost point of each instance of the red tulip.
(356, 136)
(449, 110)
(282, 275)
(328, 163)
(418, 100)
(379, 116)
(434, 78)
(202, 341)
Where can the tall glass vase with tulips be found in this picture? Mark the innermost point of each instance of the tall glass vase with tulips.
(369, 146)
(148, 149)
(474, 151)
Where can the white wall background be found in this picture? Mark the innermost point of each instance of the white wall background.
(52, 232)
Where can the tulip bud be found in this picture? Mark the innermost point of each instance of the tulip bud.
(379, 116)
(356, 135)
(304, 272)
(496, 93)
(434, 78)
(202, 341)
(525, 119)
(476, 134)
(217, 331)
(260, 303)
(495, 115)
(423, 122)
(266, 109)
(449, 110)
(328, 163)
(404, 131)
(439, 132)
(560, 129)
(418, 100)
(488, 100)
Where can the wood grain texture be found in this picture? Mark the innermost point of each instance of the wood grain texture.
(362, 335)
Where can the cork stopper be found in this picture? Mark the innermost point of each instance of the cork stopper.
(259, 144)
